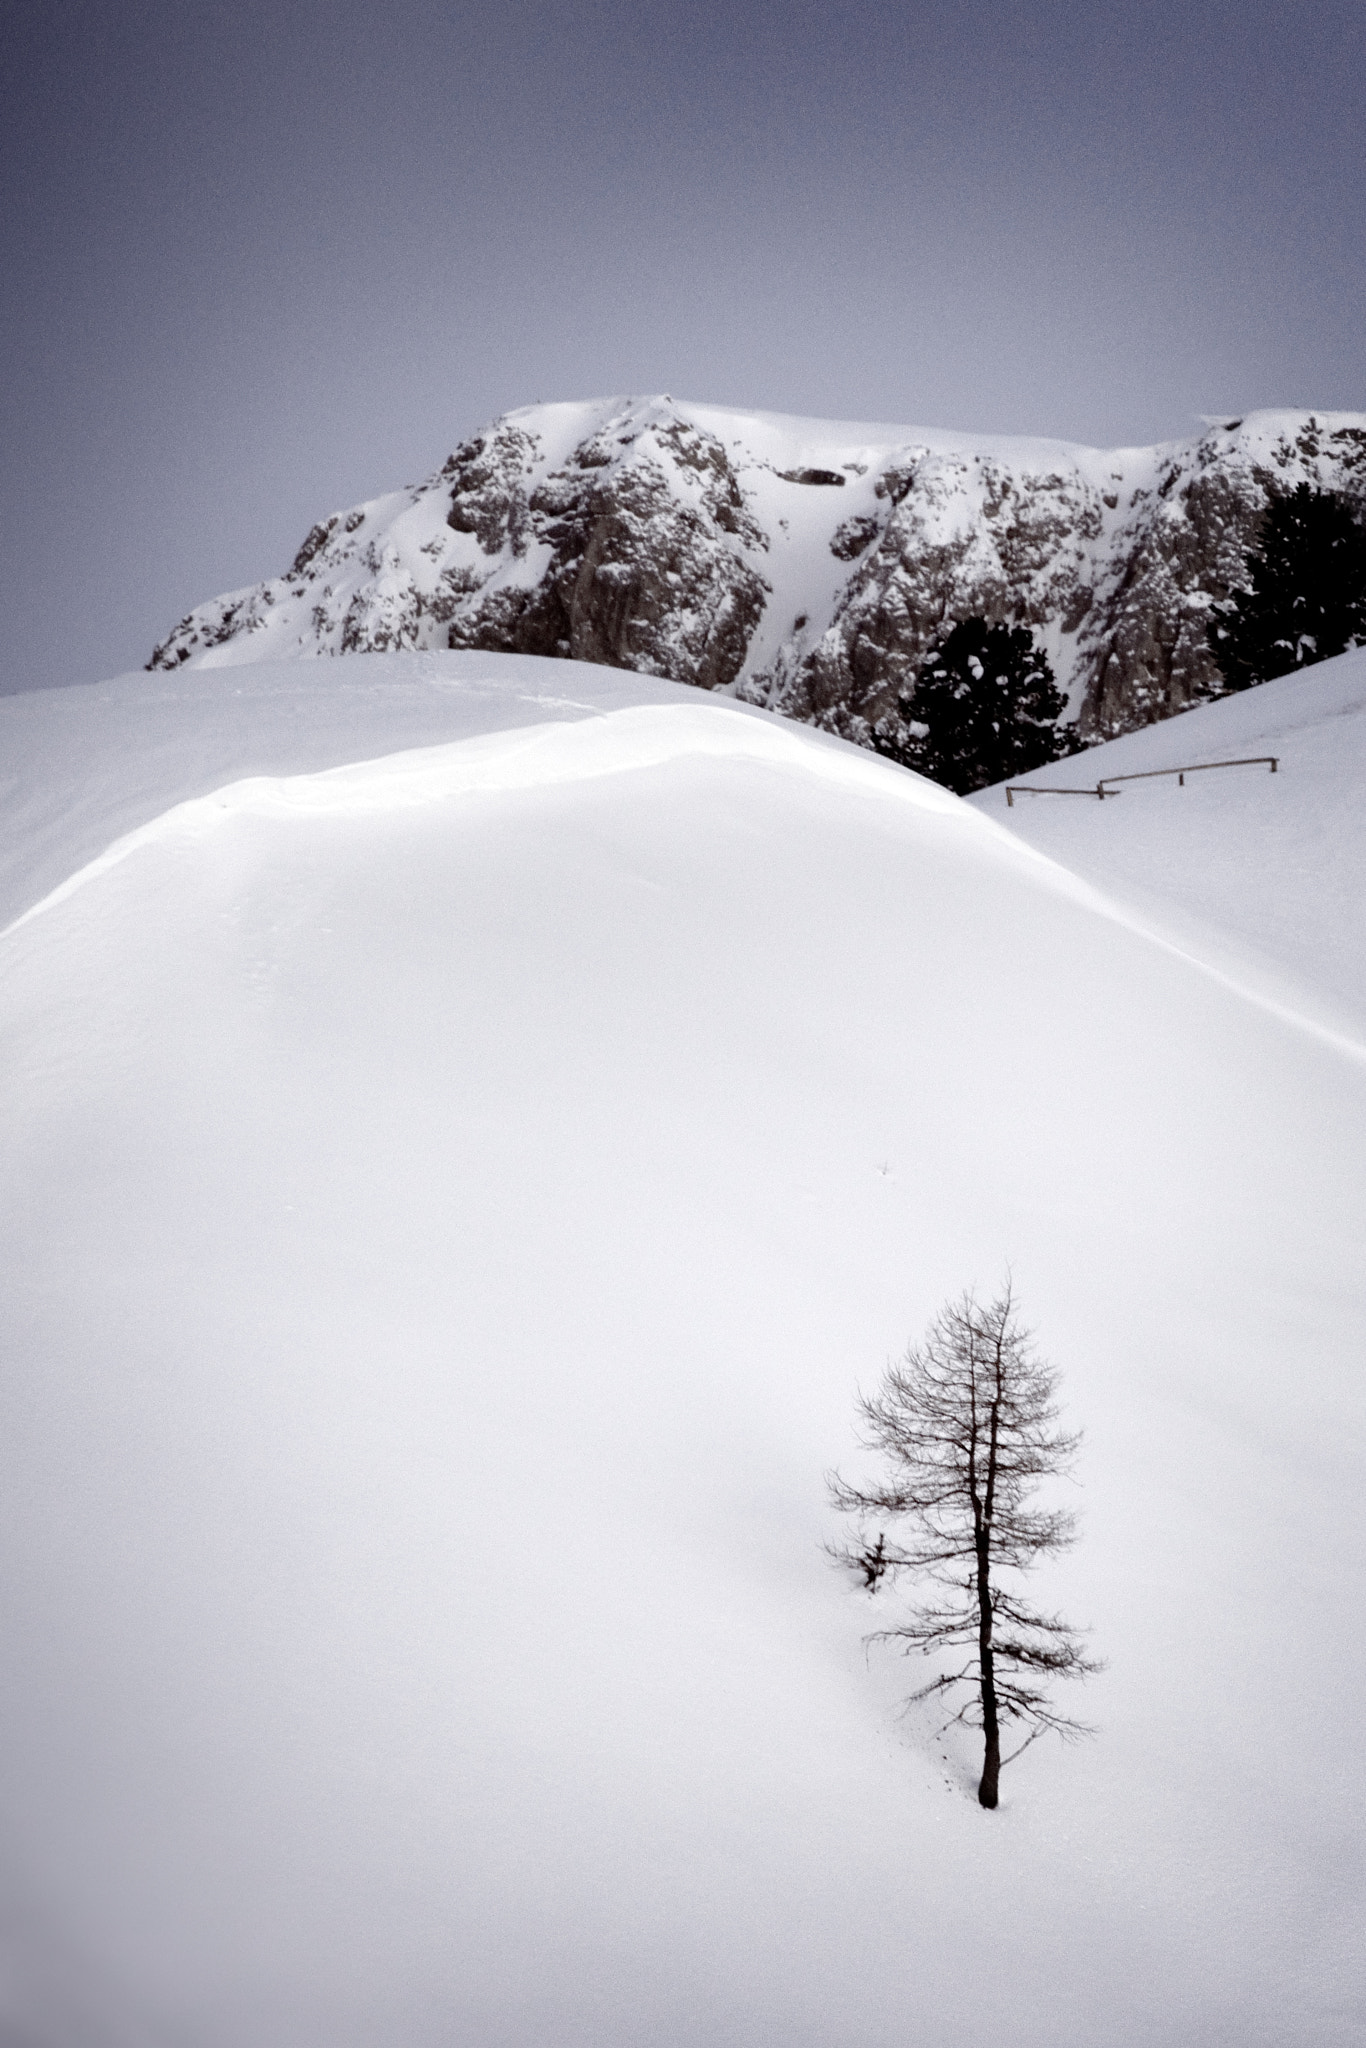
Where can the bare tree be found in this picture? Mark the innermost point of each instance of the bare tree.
(968, 1424)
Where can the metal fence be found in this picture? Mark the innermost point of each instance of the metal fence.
(1103, 788)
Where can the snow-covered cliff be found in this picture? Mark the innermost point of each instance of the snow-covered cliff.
(802, 564)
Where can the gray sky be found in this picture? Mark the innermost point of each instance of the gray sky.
(262, 260)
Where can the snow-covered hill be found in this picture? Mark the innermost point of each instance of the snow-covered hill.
(463, 1148)
(804, 564)
(1256, 873)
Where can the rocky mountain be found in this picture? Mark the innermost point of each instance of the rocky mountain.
(806, 565)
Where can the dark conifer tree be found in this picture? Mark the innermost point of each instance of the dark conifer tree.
(1306, 591)
(984, 708)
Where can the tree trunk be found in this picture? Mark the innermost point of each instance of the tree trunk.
(991, 1728)
(991, 1764)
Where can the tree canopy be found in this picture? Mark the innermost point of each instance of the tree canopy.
(1305, 596)
(985, 707)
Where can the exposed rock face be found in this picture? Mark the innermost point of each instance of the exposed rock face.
(1116, 569)
(650, 555)
(803, 566)
(1183, 545)
(954, 536)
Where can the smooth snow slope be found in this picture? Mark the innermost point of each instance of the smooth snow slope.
(450, 1203)
(1262, 873)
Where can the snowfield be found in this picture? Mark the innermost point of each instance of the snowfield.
(1262, 877)
(471, 1122)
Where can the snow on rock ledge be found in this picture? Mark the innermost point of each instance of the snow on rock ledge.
(804, 565)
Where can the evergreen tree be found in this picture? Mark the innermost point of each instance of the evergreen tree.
(1306, 591)
(984, 708)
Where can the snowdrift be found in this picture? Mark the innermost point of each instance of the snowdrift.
(467, 1135)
